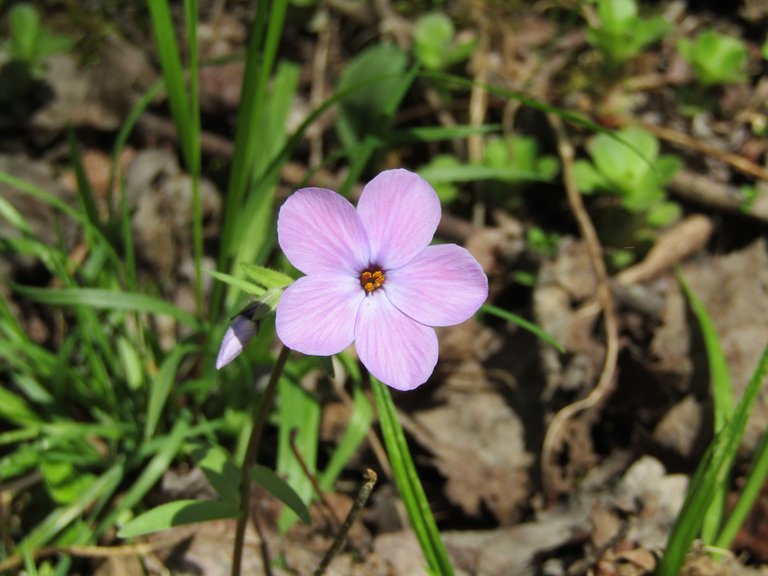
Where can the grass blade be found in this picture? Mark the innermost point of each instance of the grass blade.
(524, 324)
(722, 394)
(161, 388)
(108, 300)
(178, 513)
(408, 483)
(710, 474)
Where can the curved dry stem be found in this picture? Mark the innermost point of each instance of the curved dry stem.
(601, 391)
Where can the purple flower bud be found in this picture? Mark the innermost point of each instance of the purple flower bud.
(235, 338)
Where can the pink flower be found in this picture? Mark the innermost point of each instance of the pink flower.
(372, 277)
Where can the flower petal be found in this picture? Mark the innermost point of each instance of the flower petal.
(396, 349)
(317, 313)
(443, 285)
(400, 212)
(319, 231)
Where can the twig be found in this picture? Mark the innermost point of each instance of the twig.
(317, 92)
(362, 497)
(478, 107)
(91, 552)
(740, 163)
(719, 196)
(327, 508)
(263, 544)
(605, 299)
(259, 420)
(674, 245)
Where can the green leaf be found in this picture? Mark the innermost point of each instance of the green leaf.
(24, 27)
(157, 466)
(432, 38)
(267, 277)
(221, 472)
(715, 58)
(281, 490)
(472, 172)
(244, 285)
(65, 483)
(617, 16)
(376, 74)
(663, 214)
(131, 362)
(14, 408)
(63, 516)
(178, 513)
(587, 178)
(299, 411)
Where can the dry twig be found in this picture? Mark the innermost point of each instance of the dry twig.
(604, 385)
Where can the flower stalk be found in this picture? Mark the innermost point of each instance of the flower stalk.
(261, 412)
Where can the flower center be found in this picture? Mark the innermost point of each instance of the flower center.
(370, 280)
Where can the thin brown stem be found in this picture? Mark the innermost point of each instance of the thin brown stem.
(326, 508)
(605, 299)
(259, 420)
(370, 478)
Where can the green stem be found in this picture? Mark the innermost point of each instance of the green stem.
(259, 420)
(409, 484)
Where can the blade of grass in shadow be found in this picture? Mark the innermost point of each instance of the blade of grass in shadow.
(161, 387)
(84, 190)
(722, 394)
(711, 473)
(524, 324)
(107, 300)
(408, 483)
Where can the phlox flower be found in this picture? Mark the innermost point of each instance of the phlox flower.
(372, 278)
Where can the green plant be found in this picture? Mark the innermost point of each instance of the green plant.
(715, 58)
(29, 41)
(509, 161)
(620, 34)
(703, 511)
(434, 42)
(629, 167)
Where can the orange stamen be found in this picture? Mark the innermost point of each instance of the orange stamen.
(370, 281)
